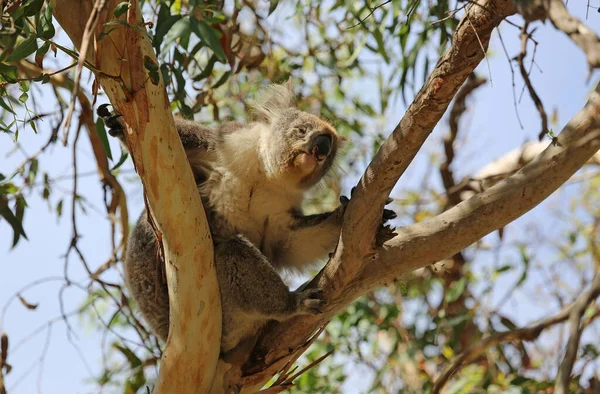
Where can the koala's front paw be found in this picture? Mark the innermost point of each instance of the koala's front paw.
(385, 231)
(388, 214)
(112, 120)
(309, 302)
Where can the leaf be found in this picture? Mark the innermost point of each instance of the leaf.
(33, 169)
(208, 35)
(45, 29)
(6, 107)
(59, 207)
(23, 98)
(39, 54)
(101, 131)
(381, 45)
(13, 220)
(24, 86)
(134, 360)
(24, 49)
(121, 8)
(9, 73)
(152, 68)
(272, 5)
(32, 7)
(27, 304)
(455, 290)
(207, 69)
(222, 80)
(164, 23)
(124, 156)
(504, 268)
(177, 31)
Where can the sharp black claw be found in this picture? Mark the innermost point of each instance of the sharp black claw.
(344, 200)
(389, 201)
(352, 191)
(103, 111)
(389, 214)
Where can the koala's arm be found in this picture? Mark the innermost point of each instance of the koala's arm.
(200, 142)
(311, 238)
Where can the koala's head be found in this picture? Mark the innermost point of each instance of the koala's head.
(296, 147)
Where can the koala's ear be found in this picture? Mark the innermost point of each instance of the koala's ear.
(273, 100)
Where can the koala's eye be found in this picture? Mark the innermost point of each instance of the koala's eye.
(300, 130)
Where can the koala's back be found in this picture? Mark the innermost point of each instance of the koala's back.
(145, 277)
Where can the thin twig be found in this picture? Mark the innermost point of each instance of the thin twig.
(525, 36)
(361, 21)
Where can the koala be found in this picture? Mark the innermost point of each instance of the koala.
(252, 179)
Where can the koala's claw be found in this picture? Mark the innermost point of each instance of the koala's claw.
(112, 120)
(310, 301)
(384, 234)
(388, 214)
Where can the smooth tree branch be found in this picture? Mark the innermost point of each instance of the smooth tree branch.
(195, 310)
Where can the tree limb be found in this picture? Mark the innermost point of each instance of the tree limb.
(557, 12)
(195, 320)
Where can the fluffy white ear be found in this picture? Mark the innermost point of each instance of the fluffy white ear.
(272, 100)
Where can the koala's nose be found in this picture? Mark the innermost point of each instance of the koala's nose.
(321, 147)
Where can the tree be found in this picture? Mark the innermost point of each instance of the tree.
(207, 44)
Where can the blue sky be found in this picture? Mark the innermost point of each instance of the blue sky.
(70, 360)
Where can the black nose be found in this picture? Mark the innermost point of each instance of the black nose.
(321, 147)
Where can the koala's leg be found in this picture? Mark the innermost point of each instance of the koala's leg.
(144, 278)
(252, 292)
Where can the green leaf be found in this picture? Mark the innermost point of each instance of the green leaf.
(208, 35)
(32, 7)
(13, 219)
(222, 80)
(101, 131)
(207, 69)
(272, 5)
(23, 98)
(45, 29)
(59, 207)
(178, 30)
(24, 86)
(455, 290)
(121, 8)
(5, 106)
(124, 156)
(33, 169)
(504, 268)
(164, 23)
(24, 49)
(9, 73)
(381, 45)
(134, 361)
